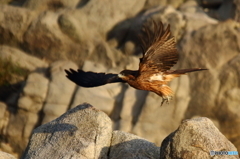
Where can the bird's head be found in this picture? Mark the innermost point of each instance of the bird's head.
(126, 74)
(122, 74)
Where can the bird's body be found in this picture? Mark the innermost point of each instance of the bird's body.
(159, 55)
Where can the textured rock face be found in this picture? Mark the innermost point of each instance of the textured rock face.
(54, 107)
(4, 155)
(222, 77)
(14, 23)
(125, 145)
(82, 132)
(85, 132)
(34, 93)
(21, 58)
(195, 138)
(101, 36)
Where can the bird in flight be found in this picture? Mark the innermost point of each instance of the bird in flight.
(159, 55)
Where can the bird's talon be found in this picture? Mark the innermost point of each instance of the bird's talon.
(167, 99)
(162, 101)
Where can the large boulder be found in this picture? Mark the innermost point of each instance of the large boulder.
(82, 132)
(196, 138)
(85, 132)
(106, 32)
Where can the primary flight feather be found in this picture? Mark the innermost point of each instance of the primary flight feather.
(159, 55)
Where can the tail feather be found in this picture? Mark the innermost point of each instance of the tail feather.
(183, 71)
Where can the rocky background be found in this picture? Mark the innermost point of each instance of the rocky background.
(41, 38)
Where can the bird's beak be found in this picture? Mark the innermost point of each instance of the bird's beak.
(120, 75)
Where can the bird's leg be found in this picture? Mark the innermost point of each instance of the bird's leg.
(166, 98)
(163, 100)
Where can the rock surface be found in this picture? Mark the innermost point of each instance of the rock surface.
(85, 132)
(125, 145)
(54, 107)
(195, 138)
(82, 132)
(21, 58)
(44, 36)
(4, 155)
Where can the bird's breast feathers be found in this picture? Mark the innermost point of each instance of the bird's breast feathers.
(156, 77)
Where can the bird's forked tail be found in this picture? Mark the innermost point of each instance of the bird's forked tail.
(183, 71)
(176, 73)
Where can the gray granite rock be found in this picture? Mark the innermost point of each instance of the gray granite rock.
(195, 138)
(82, 132)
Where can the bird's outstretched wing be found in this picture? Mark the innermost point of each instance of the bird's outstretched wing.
(91, 79)
(159, 50)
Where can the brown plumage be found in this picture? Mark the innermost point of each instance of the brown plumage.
(159, 55)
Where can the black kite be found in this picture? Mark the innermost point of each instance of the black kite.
(159, 55)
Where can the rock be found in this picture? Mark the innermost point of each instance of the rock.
(4, 117)
(237, 10)
(133, 102)
(34, 93)
(195, 21)
(18, 3)
(82, 132)
(115, 11)
(125, 145)
(61, 36)
(169, 15)
(3, 108)
(5, 155)
(22, 59)
(153, 114)
(44, 38)
(226, 10)
(85, 132)
(5, 1)
(222, 9)
(211, 3)
(42, 5)
(109, 56)
(153, 3)
(227, 49)
(125, 35)
(4, 124)
(197, 48)
(58, 30)
(77, 29)
(195, 138)
(14, 22)
(228, 100)
(18, 131)
(190, 6)
(22, 122)
(58, 102)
